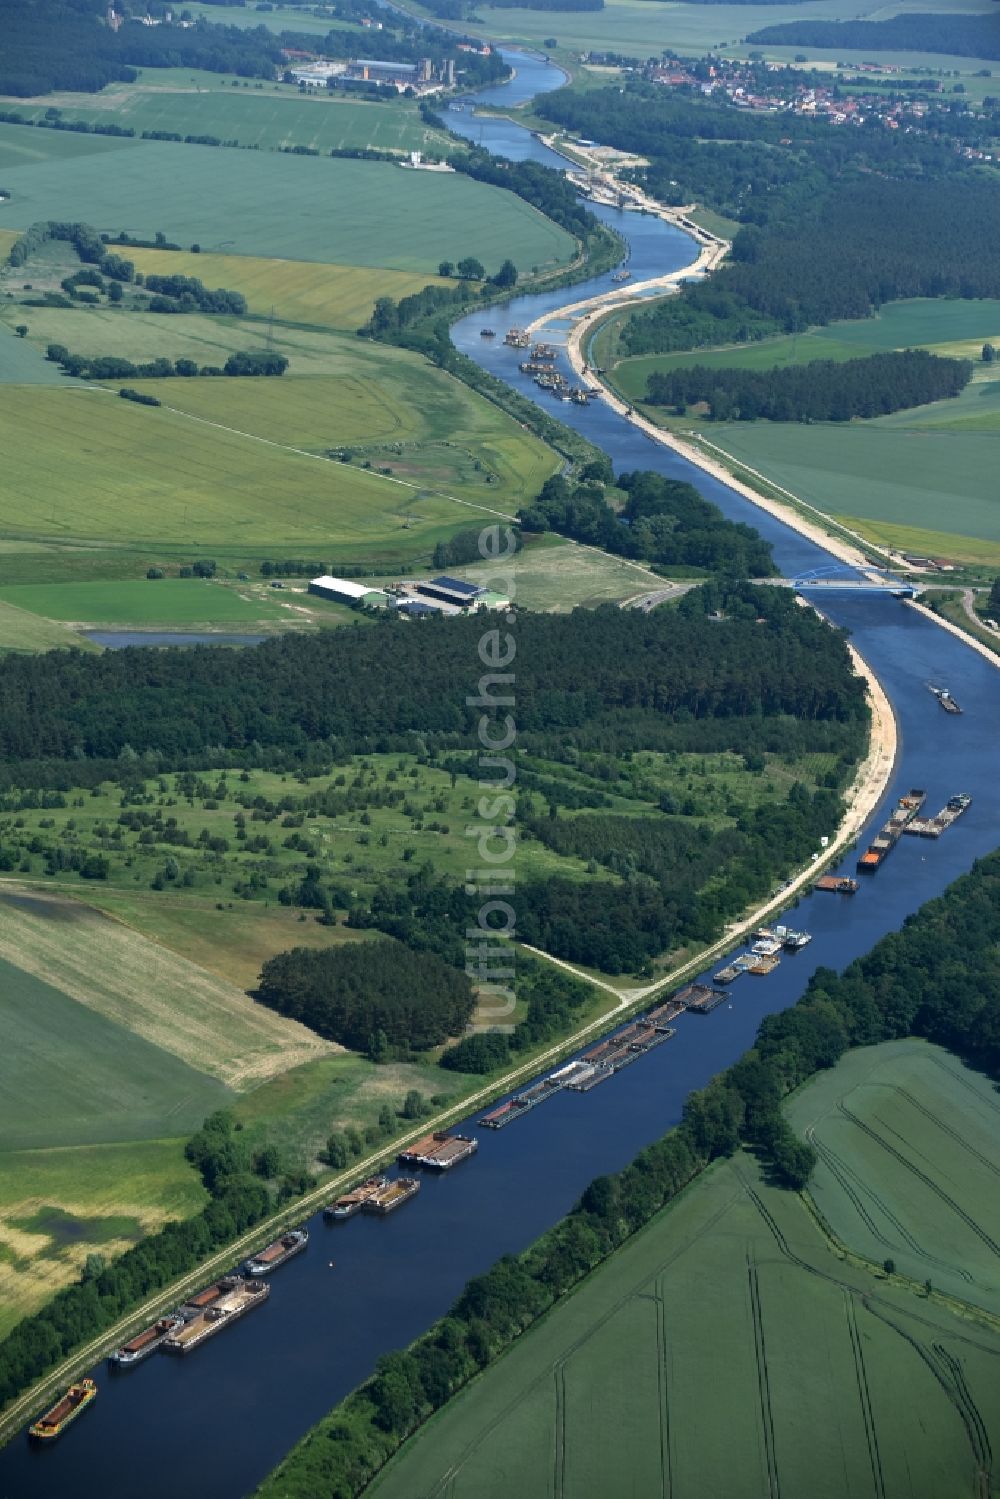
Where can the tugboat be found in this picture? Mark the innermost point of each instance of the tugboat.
(945, 699)
(55, 1421)
(487, 333)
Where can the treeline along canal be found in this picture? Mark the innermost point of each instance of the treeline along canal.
(214, 1423)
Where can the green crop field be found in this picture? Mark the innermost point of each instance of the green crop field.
(23, 146)
(888, 479)
(71, 1074)
(296, 207)
(85, 465)
(21, 363)
(170, 602)
(909, 1164)
(566, 576)
(727, 1349)
(22, 631)
(275, 116)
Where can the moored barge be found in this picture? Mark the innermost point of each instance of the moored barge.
(839, 884)
(277, 1253)
(906, 809)
(240, 1297)
(700, 999)
(146, 1342)
(440, 1151)
(352, 1202)
(66, 1409)
(392, 1196)
(933, 827)
(507, 1112)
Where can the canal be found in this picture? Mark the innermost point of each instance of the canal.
(212, 1425)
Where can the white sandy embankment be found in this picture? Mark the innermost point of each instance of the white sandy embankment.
(963, 635)
(813, 531)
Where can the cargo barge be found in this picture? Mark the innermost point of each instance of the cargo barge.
(701, 999)
(440, 1151)
(352, 1202)
(906, 809)
(521, 1103)
(729, 974)
(763, 964)
(392, 1196)
(55, 1421)
(240, 1297)
(277, 1253)
(663, 1014)
(517, 338)
(839, 884)
(147, 1342)
(933, 827)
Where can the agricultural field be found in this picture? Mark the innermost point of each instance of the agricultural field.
(172, 603)
(267, 116)
(890, 482)
(85, 466)
(293, 291)
(730, 1336)
(21, 363)
(907, 1138)
(108, 975)
(639, 28)
(23, 631)
(277, 206)
(59, 1204)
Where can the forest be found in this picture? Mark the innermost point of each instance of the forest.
(662, 521)
(957, 35)
(71, 718)
(938, 978)
(821, 391)
(378, 997)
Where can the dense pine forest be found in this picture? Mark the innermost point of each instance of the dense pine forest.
(370, 996)
(907, 986)
(956, 35)
(72, 718)
(821, 391)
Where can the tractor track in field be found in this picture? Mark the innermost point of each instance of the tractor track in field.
(939, 1192)
(442, 1486)
(864, 1394)
(763, 1381)
(947, 1129)
(942, 1366)
(663, 1396)
(559, 1473)
(841, 1173)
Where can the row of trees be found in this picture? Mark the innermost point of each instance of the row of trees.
(113, 367)
(663, 521)
(188, 294)
(371, 996)
(464, 547)
(939, 978)
(823, 390)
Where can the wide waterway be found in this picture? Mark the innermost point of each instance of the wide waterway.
(211, 1425)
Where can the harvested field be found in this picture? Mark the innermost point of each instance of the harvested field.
(151, 992)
